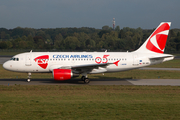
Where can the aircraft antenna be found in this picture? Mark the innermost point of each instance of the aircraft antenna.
(113, 23)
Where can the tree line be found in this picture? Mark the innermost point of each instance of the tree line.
(82, 39)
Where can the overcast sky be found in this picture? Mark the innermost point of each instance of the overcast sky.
(146, 14)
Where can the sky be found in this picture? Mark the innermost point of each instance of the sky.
(146, 14)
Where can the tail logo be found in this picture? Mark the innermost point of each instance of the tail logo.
(157, 40)
(42, 61)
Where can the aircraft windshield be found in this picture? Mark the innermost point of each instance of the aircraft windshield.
(14, 59)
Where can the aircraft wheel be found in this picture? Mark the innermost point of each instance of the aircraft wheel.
(28, 80)
(29, 77)
(83, 78)
(86, 81)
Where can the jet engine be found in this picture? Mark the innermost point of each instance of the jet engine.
(63, 74)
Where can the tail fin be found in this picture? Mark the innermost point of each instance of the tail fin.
(157, 40)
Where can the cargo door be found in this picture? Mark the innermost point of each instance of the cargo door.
(135, 60)
(28, 60)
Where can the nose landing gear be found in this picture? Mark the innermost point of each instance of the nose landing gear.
(29, 77)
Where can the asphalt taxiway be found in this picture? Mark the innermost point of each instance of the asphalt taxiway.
(164, 82)
(4, 59)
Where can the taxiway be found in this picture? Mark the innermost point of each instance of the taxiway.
(171, 82)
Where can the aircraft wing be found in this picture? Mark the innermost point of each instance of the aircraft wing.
(86, 67)
(90, 66)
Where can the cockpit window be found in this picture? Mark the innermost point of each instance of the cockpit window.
(14, 59)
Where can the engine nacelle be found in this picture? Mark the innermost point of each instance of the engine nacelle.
(62, 74)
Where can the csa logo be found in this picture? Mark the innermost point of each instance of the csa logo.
(157, 41)
(42, 61)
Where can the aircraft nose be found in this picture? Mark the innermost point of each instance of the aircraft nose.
(6, 65)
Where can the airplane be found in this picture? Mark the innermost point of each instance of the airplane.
(65, 65)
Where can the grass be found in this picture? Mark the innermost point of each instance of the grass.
(9, 53)
(89, 102)
(169, 64)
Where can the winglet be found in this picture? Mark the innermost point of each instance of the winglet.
(116, 63)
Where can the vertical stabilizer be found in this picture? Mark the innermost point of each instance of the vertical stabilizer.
(157, 40)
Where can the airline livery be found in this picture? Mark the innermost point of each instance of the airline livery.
(65, 65)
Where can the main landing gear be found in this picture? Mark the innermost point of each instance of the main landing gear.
(29, 77)
(85, 79)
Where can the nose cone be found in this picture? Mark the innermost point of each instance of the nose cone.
(6, 66)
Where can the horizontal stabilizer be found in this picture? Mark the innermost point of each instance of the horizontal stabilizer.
(160, 57)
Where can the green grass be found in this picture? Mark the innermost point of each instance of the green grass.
(89, 102)
(169, 64)
(8, 53)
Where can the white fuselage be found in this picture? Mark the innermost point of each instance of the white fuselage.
(47, 61)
